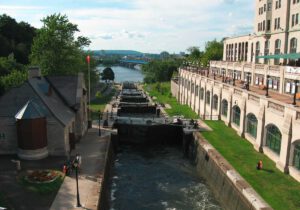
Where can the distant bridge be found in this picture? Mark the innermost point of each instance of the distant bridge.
(141, 62)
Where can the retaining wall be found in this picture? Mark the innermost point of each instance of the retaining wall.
(229, 188)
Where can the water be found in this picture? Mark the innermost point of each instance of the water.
(123, 74)
(157, 178)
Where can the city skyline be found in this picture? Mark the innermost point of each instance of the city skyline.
(146, 26)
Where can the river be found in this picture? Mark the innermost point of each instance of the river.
(155, 179)
(123, 74)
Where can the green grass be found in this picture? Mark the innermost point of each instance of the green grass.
(280, 190)
(99, 103)
(43, 188)
(164, 96)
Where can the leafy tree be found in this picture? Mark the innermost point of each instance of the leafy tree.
(15, 38)
(213, 51)
(14, 79)
(160, 70)
(108, 74)
(195, 55)
(55, 48)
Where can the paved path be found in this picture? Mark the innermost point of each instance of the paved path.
(92, 149)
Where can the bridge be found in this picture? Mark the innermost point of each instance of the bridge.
(133, 63)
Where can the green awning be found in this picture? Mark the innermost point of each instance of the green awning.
(293, 56)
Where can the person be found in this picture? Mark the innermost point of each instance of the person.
(259, 165)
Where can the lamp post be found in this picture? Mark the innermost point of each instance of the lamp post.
(296, 90)
(223, 77)
(234, 78)
(214, 76)
(77, 189)
(88, 59)
(248, 80)
(267, 88)
(99, 122)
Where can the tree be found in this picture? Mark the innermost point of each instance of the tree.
(108, 74)
(55, 48)
(195, 55)
(213, 51)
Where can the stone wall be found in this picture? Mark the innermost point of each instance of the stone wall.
(229, 188)
(174, 89)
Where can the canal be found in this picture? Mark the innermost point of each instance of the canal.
(123, 74)
(157, 178)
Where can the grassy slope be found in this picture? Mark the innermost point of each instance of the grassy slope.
(165, 97)
(280, 190)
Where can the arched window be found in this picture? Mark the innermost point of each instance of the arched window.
(236, 114)
(257, 51)
(208, 97)
(251, 125)
(277, 49)
(215, 102)
(224, 108)
(293, 45)
(296, 160)
(197, 90)
(201, 93)
(273, 138)
(192, 88)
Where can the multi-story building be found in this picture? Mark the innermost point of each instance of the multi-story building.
(255, 88)
(276, 32)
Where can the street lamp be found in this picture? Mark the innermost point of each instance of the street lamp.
(76, 172)
(248, 81)
(234, 72)
(223, 76)
(296, 90)
(99, 122)
(267, 88)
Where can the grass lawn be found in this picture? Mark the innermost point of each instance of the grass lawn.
(280, 190)
(99, 103)
(43, 188)
(164, 96)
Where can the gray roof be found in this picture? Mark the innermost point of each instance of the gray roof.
(66, 86)
(30, 110)
(53, 102)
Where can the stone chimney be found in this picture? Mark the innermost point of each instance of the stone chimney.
(34, 72)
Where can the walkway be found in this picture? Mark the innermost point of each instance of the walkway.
(92, 149)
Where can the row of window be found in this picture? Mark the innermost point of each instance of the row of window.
(296, 1)
(273, 135)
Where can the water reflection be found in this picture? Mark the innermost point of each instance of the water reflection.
(125, 74)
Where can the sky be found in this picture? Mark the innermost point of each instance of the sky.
(149, 26)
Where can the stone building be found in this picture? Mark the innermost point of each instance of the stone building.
(61, 100)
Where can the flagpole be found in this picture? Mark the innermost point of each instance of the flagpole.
(89, 81)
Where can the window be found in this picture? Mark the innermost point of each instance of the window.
(293, 20)
(277, 50)
(257, 51)
(207, 97)
(267, 50)
(264, 25)
(236, 113)
(224, 108)
(215, 102)
(201, 93)
(293, 45)
(296, 160)
(269, 6)
(297, 18)
(276, 7)
(273, 138)
(251, 125)
(268, 25)
(196, 91)
(279, 3)
(265, 7)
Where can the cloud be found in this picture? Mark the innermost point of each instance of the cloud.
(148, 26)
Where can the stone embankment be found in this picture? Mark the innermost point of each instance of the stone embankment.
(230, 189)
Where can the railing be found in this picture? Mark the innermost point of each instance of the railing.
(238, 92)
(276, 107)
(259, 66)
(254, 98)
